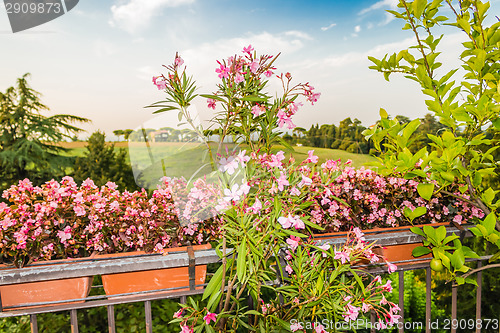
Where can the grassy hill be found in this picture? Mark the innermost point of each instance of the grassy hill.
(175, 159)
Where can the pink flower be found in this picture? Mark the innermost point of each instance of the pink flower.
(286, 222)
(276, 159)
(458, 219)
(282, 181)
(223, 71)
(359, 234)
(293, 242)
(312, 158)
(268, 73)
(289, 269)
(387, 286)
(186, 329)
(320, 329)
(211, 103)
(306, 181)
(296, 326)
(257, 110)
(342, 255)
(178, 61)
(235, 193)
(284, 119)
(256, 207)
(351, 313)
(210, 316)
(159, 83)
(365, 308)
(228, 165)
(248, 49)
(65, 234)
(239, 78)
(295, 191)
(79, 210)
(254, 66)
(324, 247)
(178, 314)
(391, 267)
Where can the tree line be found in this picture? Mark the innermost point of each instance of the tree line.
(30, 144)
(348, 135)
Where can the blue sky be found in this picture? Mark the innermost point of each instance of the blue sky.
(97, 60)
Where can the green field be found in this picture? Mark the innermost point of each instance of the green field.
(176, 159)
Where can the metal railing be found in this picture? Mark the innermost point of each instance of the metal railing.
(93, 267)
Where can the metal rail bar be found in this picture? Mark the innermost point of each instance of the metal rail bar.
(101, 266)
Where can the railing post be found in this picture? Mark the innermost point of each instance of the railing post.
(372, 321)
(402, 299)
(453, 307)
(428, 299)
(33, 323)
(111, 319)
(149, 321)
(74, 321)
(478, 296)
(191, 268)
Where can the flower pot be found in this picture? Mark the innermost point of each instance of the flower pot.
(18, 296)
(151, 280)
(395, 244)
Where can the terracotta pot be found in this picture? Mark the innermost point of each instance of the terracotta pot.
(150, 280)
(393, 251)
(19, 295)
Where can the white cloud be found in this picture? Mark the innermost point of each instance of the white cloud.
(287, 42)
(298, 34)
(134, 15)
(380, 4)
(357, 28)
(328, 27)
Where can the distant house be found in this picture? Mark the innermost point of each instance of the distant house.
(159, 136)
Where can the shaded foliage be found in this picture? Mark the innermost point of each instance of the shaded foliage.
(28, 139)
(103, 164)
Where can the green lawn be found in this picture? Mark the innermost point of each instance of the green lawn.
(175, 159)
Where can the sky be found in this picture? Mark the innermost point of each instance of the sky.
(98, 59)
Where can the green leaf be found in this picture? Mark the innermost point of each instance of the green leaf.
(441, 233)
(383, 114)
(418, 231)
(420, 251)
(430, 232)
(425, 190)
(458, 259)
(254, 98)
(418, 7)
(214, 284)
(495, 257)
(241, 261)
(489, 222)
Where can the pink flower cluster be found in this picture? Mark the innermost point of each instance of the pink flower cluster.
(355, 250)
(341, 196)
(64, 220)
(236, 70)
